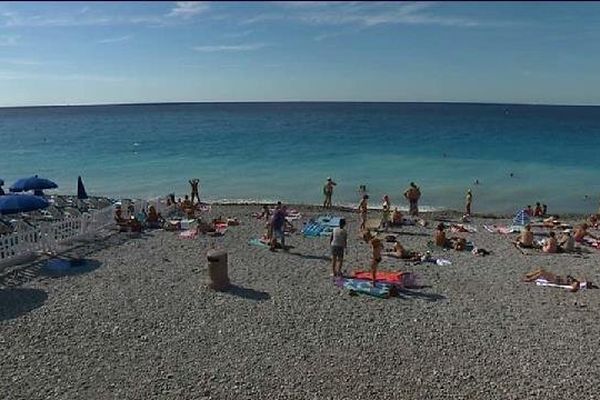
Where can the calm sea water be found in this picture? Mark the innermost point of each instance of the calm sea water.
(268, 151)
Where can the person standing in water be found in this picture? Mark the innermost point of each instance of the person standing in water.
(469, 200)
(413, 194)
(328, 192)
(194, 184)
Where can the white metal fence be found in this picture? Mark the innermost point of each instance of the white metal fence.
(24, 243)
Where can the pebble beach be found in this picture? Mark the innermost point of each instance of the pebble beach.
(141, 323)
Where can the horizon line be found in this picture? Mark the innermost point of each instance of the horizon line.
(152, 103)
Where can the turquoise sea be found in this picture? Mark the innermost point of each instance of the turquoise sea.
(270, 151)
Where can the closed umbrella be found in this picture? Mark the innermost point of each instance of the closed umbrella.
(16, 203)
(33, 183)
(81, 193)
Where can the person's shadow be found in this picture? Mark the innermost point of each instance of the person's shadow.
(247, 293)
(15, 302)
(411, 293)
(61, 266)
(310, 256)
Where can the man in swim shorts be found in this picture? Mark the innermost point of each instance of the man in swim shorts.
(194, 184)
(328, 192)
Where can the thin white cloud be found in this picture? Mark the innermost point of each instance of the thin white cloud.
(238, 34)
(8, 75)
(358, 13)
(9, 40)
(115, 39)
(187, 9)
(20, 61)
(230, 48)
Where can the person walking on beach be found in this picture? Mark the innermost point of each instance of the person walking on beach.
(469, 200)
(194, 184)
(413, 194)
(278, 223)
(328, 192)
(363, 208)
(339, 239)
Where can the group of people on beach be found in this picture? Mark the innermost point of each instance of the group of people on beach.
(563, 244)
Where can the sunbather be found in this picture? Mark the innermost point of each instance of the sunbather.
(581, 232)
(154, 218)
(566, 243)
(440, 236)
(396, 217)
(400, 252)
(551, 245)
(525, 240)
(265, 214)
(553, 278)
(593, 220)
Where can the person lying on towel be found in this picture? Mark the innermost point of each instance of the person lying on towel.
(400, 252)
(556, 279)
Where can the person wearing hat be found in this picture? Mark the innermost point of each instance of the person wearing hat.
(469, 200)
(328, 192)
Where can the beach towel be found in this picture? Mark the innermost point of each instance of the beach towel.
(502, 229)
(398, 279)
(463, 228)
(258, 242)
(382, 290)
(312, 229)
(544, 282)
(188, 234)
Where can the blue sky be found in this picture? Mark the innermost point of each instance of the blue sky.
(119, 52)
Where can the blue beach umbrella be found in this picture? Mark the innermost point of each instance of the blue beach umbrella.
(16, 203)
(33, 183)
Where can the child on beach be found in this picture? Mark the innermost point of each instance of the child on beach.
(339, 238)
(376, 247)
(363, 208)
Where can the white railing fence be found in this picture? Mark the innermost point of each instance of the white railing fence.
(24, 243)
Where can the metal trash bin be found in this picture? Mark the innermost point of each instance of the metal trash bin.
(217, 269)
